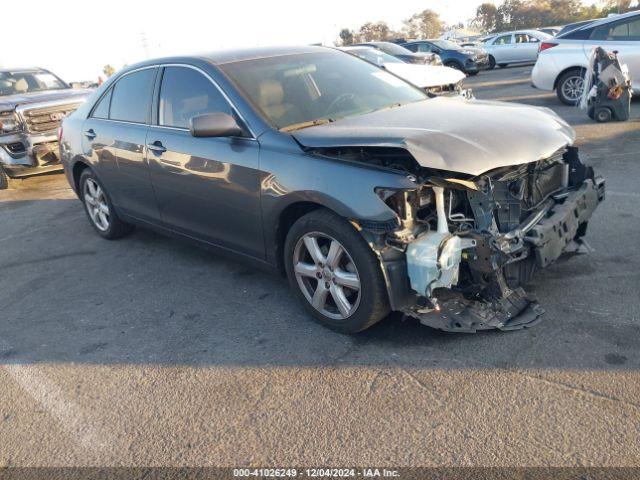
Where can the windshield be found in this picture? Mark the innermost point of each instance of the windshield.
(374, 56)
(12, 83)
(296, 91)
(446, 45)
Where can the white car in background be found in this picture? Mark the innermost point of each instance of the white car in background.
(563, 60)
(520, 46)
(436, 79)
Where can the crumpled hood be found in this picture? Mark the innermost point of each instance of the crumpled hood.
(9, 102)
(451, 133)
(426, 76)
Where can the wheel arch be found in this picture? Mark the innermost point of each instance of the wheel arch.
(568, 69)
(287, 217)
(76, 172)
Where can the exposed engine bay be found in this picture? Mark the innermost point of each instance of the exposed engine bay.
(462, 247)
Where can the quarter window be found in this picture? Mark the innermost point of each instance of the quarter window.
(186, 93)
(131, 97)
(102, 109)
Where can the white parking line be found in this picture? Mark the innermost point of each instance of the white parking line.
(69, 415)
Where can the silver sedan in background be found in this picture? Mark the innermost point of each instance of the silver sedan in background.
(520, 46)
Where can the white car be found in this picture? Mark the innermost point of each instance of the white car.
(520, 46)
(562, 61)
(435, 79)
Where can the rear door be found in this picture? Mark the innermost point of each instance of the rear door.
(130, 113)
(207, 188)
(502, 49)
(622, 36)
(114, 137)
(525, 47)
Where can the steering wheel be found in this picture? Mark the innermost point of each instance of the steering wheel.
(340, 99)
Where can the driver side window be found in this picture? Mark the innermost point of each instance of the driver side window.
(185, 93)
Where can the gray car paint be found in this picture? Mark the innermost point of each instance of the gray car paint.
(285, 176)
(452, 134)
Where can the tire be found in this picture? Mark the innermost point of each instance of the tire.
(492, 62)
(4, 179)
(368, 304)
(113, 228)
(455, 65)
(473, 74)
(567, 83)
(603, 115)
(503, 65)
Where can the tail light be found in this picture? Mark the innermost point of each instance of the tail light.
(60, 134)
(546, 46)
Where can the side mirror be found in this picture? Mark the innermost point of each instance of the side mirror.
(217, 124)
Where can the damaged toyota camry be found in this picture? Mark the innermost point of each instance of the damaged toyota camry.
(372, 195)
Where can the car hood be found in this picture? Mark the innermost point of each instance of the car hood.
(451, 133)
(9, 102)
(425, 76)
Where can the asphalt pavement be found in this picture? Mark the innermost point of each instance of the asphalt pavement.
(148, 351)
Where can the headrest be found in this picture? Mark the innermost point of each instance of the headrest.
(21, 86)
(271, 93)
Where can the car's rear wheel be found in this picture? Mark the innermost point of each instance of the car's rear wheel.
(99, 208)
(334, 273)
(4, 179)
(492, 62)
(570, 86)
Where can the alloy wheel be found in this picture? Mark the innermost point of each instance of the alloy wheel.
(572, 88)
(327, 275)
(96, 204)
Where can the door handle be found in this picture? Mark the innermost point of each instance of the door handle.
(156, 147)
(90, 134)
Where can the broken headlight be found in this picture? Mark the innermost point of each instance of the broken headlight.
(8, 123)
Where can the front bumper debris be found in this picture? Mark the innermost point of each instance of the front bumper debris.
(555, 229)
(554, 234)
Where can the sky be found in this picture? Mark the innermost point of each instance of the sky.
(75, 39)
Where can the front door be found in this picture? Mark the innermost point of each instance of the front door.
(207, 188)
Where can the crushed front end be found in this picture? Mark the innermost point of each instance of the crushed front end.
(464, 246)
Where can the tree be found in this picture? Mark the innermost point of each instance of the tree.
(374, 32)
(346, 37)
(487, 18)
(426, 24)
(108, 70)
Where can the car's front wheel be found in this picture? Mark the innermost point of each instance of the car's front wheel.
(492, 62)
(334, 273)
(99, 208)
(570, 86)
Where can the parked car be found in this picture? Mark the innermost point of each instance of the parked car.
(390, 48)
(518, 47)
(470, 60)
(33, 102)
(371, 195)
(562, 61)
(573, 26)
(434, 79)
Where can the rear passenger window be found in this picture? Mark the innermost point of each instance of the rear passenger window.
(131, 97)
(102, 109)
(186, 93)
(504, 40)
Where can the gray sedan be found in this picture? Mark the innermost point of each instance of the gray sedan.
(368, 193)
